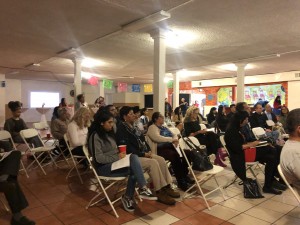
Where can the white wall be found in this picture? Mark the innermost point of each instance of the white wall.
(293, 94)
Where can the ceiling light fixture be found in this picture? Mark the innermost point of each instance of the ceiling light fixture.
(90, 63)
(188, 73)
(177, 38)
(147, 21)
(233, 67)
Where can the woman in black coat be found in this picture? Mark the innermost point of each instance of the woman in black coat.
(236, 144)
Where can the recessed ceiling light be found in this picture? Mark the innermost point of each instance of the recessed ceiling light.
(188, 73)
(90, 63)
(177, 38)
(233, 67)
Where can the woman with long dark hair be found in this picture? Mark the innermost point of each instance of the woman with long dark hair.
(221, 119)
(211, 116)
(103, 148)
(177, 117)
(236, 144)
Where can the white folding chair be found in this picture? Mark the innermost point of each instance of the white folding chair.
(30, 134)
(6, 136)
(295, 193)
(200, 177)
(175, 131)
(249, 165)
(4, 204)
(113, 181)
(203, 126)
(76, 160)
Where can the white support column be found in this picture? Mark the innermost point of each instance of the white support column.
(101, 89)
(175, 90)
(3, 99)
(159, 71)
(240, 81)
(77, 76)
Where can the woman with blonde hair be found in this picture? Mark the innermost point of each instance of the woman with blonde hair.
(210, 139)
(78, 130)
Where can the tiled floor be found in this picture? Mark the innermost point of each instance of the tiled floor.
(55, 201)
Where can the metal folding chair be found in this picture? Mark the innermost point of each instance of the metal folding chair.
(76, 160)
(295, 193)
(30, 134)
(200, 177)
(6, 136)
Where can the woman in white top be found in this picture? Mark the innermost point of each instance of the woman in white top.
(78, 129)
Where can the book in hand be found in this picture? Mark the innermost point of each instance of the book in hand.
(121, 163)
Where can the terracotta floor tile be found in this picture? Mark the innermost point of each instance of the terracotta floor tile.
(63, 206)
(109, 218)
(36, 213)
(92, 221)
(73, 216)
(181, 222)
(5, 218)
(180, 210)
(144, 208)
(196, 204)
(49, 220)
(203, 219)
(52, 198)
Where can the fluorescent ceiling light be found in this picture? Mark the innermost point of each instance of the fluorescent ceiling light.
(233, 67)
(177, 38)
(147, 21)
(188, 73)
(90, 63)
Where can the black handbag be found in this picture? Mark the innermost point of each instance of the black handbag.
(251, 189)
(200, 160)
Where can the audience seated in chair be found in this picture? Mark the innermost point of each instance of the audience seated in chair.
(162, 142)
(103, 148)
(221, 119)
(232, 112)
(236, 143)
(59, 127)
(78, 130)
(155, 165)
(208, 138)
(9, 185)
(211, 116)
(15, 124)
(259, 119)
(290, 156)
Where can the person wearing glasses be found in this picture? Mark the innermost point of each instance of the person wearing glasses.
(163, 143)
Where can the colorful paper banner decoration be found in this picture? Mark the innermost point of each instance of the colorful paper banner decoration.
(136, 88)
(170, 84)
(148, 88)
(93, 81)
(107, 84)
(122, 87)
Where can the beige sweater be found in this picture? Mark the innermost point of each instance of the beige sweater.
(153, 137)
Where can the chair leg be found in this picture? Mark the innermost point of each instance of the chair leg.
(23, 168)
(5, 206)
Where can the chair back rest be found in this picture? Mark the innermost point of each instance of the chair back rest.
(295, 193)
(259, 132)
(175, 130)
(270, 123)
(5, 135)
(41, 125)
(28, 133)
(203, 126)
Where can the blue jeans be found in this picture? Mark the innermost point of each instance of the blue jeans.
(135, 173)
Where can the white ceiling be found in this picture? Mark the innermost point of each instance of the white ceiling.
(227, 31)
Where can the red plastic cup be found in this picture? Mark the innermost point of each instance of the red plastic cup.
(48, 135)
(122, 148)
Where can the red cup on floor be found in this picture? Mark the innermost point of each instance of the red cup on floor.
(122, 148)
(48, 135)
